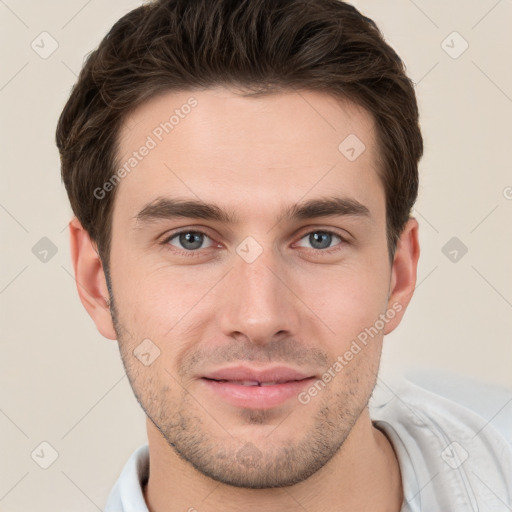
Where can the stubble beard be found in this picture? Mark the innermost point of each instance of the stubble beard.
(203, 441)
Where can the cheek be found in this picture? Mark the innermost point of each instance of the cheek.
(348, 298)
(162, 303)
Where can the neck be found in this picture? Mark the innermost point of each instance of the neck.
(363, 475)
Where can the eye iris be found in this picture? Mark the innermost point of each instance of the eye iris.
(191, 238)
(321, 237)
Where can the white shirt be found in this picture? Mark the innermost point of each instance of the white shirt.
(451, 458)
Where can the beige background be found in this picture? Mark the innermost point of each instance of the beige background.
(63, 384)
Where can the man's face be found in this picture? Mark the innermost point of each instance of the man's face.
(260, 291)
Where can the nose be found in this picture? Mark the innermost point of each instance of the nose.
(258, 302)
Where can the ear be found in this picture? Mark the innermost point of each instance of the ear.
(90, 279)
(403, 273)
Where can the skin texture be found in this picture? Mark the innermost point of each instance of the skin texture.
(295, 305)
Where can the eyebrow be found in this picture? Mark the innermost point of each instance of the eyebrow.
(170, 208)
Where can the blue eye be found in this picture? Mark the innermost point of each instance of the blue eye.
(321, 240)
(188, 240)
(193, 241)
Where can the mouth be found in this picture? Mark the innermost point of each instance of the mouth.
(255, 382)
(253, 389)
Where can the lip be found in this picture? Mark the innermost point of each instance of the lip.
(273, 374)
(286, 383)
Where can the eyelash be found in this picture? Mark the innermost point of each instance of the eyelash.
(197, 252)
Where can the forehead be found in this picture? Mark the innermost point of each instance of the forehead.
(242, 152)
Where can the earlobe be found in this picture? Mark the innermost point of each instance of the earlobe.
(90, 279)
(403, 273)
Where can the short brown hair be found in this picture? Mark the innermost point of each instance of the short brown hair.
(257, 46)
